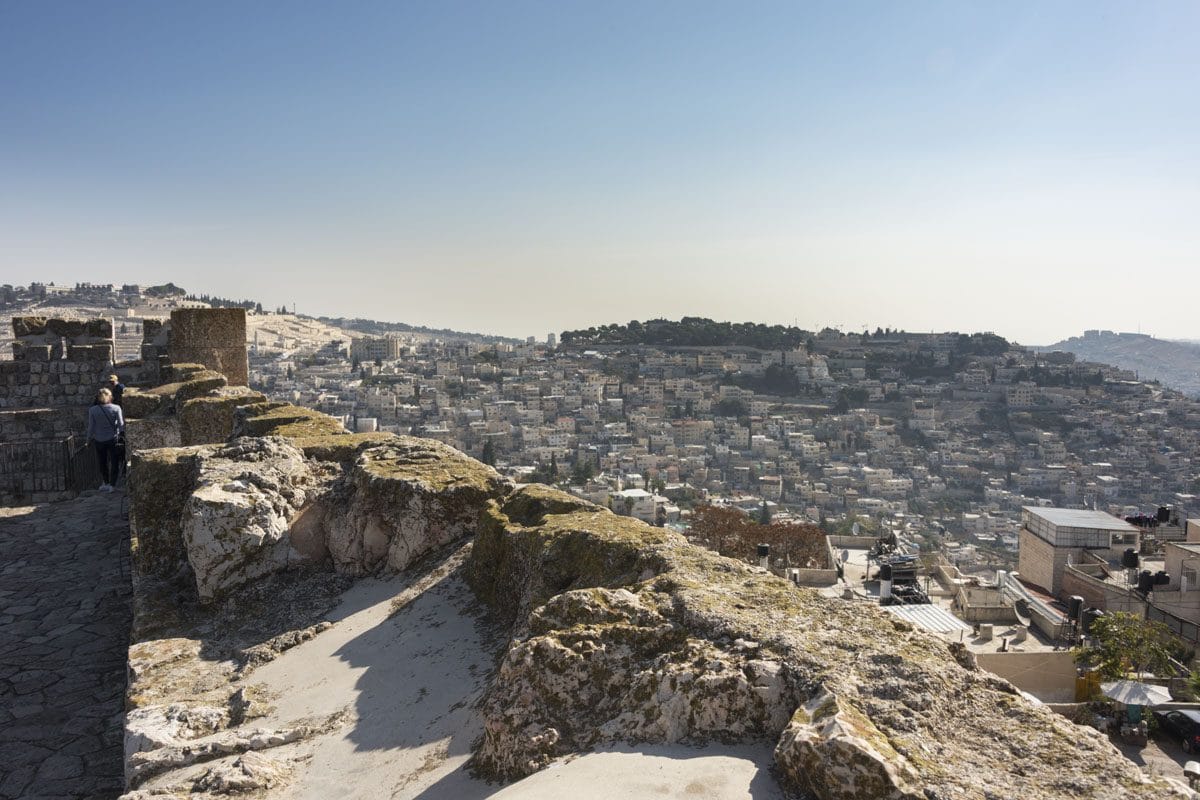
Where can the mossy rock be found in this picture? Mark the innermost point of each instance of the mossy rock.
(210, 419)
(160, 482)
(184, 371)
(138, 403)
(342, 449)
(436, 466)
(569, 544)
(197, 385)
(293, 422)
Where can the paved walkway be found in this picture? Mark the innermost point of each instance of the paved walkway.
(64, 632)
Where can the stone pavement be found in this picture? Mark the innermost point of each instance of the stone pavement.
(64, 634)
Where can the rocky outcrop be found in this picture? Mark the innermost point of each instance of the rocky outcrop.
(633, 634)
(233, 513)
(209, 419)
(236, 519)
(401, 499)
(620, 632)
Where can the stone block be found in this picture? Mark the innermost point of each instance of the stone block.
(69, 328)
(28, 326)
(214, 337)
(31, 352)
(99, 328)
(210, 420)
(152, 433)
(89, 352)
(198, 384)
(160, 484)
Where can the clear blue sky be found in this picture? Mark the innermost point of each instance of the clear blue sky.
(518, 168)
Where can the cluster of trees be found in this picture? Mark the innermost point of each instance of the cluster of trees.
(776, 379)
(732, 533)
(225, 302)
(691, 332)
(1052, 377)
(162, 290)
(373, 327)
(1124, 643)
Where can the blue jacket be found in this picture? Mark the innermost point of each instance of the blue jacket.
(105, 422)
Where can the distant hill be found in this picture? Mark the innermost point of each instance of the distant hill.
(1174, 364)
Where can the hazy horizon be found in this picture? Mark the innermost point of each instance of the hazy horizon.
(525, 168)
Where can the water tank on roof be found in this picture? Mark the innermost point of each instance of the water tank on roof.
(1074, 606)
(1161, 578)
(1129, 559)
(1164, 514)
(1145, 582)
(764, 550)
(1090, 616)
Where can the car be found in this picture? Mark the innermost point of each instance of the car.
(1182, 725)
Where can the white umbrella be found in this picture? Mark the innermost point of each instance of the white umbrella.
(1136, 693)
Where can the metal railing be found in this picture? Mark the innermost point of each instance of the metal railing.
(30, 470)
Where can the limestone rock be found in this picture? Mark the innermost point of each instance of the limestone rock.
(274, 419)
(402, 499)
(197, 385)
(152, 727)
(210, 419)
(249, 772)
(627, 632)
(601, 665)
(835, 751)
(137, 404)
(237, 516)
(160, 482)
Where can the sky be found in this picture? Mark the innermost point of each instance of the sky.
(517, 168)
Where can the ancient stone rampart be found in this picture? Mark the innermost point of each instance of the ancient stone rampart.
(620, 632)
(56, 362)
(214, 337)
(57, 367)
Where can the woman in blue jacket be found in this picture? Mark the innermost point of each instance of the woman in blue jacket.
(105, 425)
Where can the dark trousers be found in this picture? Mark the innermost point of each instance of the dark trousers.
(107, 458)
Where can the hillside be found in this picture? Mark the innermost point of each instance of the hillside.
(1174, 364)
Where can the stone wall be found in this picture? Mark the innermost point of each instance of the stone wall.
(40, 424)
(57, 362)
(155, 349)
(214, 337)
(617, 631)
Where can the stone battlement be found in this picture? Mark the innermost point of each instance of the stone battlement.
(616, 631)
(57, 362)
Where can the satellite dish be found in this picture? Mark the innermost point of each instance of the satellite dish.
(1021, 607)
(854, 529)
(845, 556)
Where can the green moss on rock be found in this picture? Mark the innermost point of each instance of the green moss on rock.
(198, 384)
(342, 449)
(293, 422)
(210, 419)
(160, 483)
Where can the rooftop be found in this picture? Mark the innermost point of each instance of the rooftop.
(1079, 518)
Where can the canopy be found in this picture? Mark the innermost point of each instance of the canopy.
(1136, 693)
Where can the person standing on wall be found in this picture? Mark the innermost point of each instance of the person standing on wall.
(105, 427)
(115, 386)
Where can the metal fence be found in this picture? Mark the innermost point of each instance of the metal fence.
(42, 470)
(1184, 629)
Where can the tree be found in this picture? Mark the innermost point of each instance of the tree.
(732, 533)
(553, 467)
(764, 514)
(1125, 643)
(489, 453)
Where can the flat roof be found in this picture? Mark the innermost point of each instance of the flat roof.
(1080, 518)
(930, 617)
